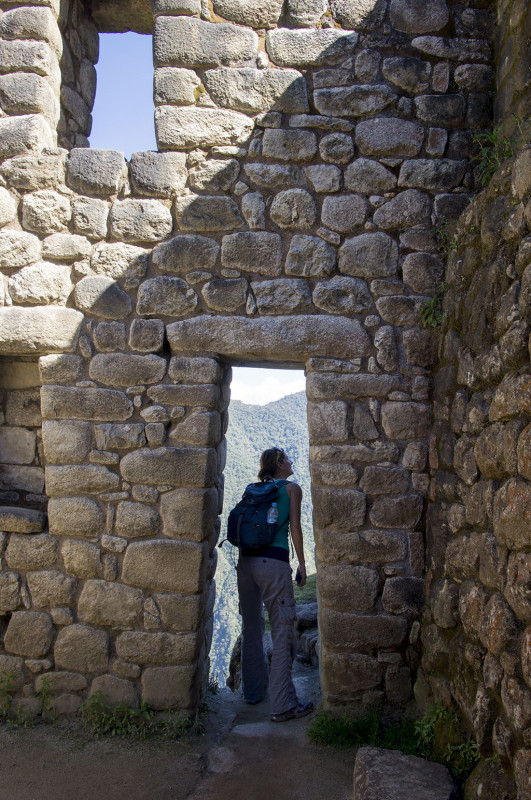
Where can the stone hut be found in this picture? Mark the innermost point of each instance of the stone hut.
(312, 197)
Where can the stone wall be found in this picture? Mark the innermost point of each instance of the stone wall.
(307, 154)
(513, 65)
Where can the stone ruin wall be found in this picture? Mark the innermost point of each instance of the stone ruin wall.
(476, 634)
(307, 155)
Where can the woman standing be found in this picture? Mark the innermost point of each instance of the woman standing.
(264, 577)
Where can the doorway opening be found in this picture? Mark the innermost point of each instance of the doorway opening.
(267, 409)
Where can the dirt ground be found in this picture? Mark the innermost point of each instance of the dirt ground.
(242, 756)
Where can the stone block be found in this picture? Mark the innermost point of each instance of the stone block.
(204, 213)
(75, 516)
(206, 395)
(384, 480)
(146, 335)
(338, 509)
(9, 592)
(74, 479)
(31, 552)
(350, 632)
(309, 48)
(97, 173)
(407, 208)
(365, 15)
(189, 514)
(512, 512)
(174, 86)
(166, 465)
(200, 429)
(328, 386)
(258, 252)
(140, 220)
(29, 634)
(370, 255)
(348, 588)
(10, 665)
(439, 174)
(412, 16)
(444, 603)
(185, 127)
(26, 331)
(134, 520)
(396, 512)
(251, 13)
(115, 691)
(18, 249)
(180, 613)
(22, 478)
(167, 296)
(165, 566)
(158, 174)
(342, 296)
(353, 101)
(119, 437)
(389, 137)
(253, 210)
(41, 284)
(195, 370)
(226, 294)
(420, 346)
(185, 253)
(253, 90)
(109, 336)
(117, 369)
(17, 55)
(423, 272)
(72, 402)
(310, 256)
(51, 589)
(522, 769)
(66, 442)
(17, 446)
(20, 136)
(90, 216)
(328, 422)
(61, 682)
(23, 408)
(324, 177)
(66, 247)
(292, 146)
(345, 674)
(157, 648)
(410, 74)
(516, 702)
(102, 297)
(110, 604)
(83, 649)
(187, 42)
(215, 175)
(8, 207)
(518, 585)
(345, 213)
(19, 374)
(404, 420)
(369, 177)
(389, 774)
(275, 176)
(512, 398)
(289, 338)
(81, 559)
(170, 687)
(404, 596)
(46, 211)
(282, 296)
(120, 261)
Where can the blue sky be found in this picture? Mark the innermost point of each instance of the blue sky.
(123, 120)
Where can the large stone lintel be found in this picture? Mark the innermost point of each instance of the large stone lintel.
(275, 339)
(51, 329)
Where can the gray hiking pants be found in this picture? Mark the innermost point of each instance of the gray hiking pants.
(268, 580)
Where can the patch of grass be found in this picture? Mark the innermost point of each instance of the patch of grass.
(438, 736)
(308, 593)
(45, 694)
(446, 241)
(431, 312)
(138, 723)
(493, 149)
(7, 690)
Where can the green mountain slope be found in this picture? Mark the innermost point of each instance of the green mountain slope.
(253, 429)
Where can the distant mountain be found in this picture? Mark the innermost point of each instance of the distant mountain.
(253, 429)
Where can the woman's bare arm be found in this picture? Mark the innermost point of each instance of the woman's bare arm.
(295, 498)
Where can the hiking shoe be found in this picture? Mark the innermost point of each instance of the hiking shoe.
(300, 710)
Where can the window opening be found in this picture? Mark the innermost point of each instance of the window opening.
(123, 116)
(268, 408)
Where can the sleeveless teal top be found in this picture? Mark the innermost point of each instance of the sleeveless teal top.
(282, 537)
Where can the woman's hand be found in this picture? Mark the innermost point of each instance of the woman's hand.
(300, 576)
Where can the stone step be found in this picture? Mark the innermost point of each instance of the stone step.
(391, 775)
(21, 520)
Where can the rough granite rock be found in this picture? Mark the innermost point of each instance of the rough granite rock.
(391, 775)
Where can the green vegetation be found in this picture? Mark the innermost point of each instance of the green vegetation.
(138, 723)
(7, 690)
(308, 593)
(446, 241)
(432, 313)
(493, 149)
(45, 695)
(438, 736)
